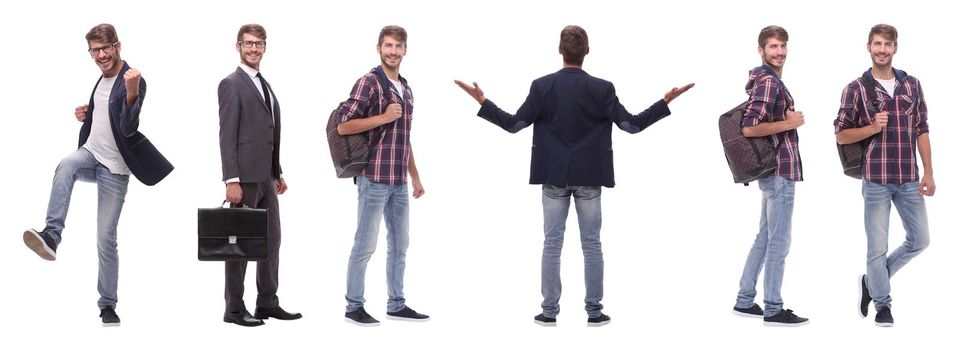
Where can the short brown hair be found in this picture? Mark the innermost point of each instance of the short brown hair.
(252, 29)
(886, 31)
(102, 32)
(573, 44)
(396, 32)
(772, 32)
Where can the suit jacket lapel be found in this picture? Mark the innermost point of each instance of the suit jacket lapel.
(249, 82)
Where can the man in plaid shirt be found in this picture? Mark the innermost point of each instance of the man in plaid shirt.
(770, 114)
(386, 113)
(889, 170)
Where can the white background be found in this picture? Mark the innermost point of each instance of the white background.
(676, 228)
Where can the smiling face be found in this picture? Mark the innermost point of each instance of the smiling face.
(391, 52)
(251, 50)
(881, 50)
(106, 55)
(774, 53)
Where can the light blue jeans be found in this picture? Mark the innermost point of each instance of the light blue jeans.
(912, 210)
(391, 203)
(589, 212)
(111, 191)
(771, 246)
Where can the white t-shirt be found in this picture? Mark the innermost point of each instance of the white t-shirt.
(101, 142)
(399, 87)
(889, 85)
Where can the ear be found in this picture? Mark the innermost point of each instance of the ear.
(760, 51)
(587, 51)
(117, 46)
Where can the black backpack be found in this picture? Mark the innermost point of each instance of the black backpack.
(749, 158)
(351, 153)
(851, 155)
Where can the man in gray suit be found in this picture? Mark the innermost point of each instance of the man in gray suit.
(250, 154)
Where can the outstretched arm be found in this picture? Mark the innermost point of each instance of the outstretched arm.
(524, 117)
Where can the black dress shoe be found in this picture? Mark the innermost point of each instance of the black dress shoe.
(242, 318)
(277, 313)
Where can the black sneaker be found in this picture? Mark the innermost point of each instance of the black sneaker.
(545, 321)
(884, 317)
(109, 317)
(785, 318)
(407, 314)
(597, 321)
(41, 243)
(359, 317)
(752, 312)
(864, 298)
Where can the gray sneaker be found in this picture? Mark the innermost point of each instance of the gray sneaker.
(359, 317)
(40, 243)
(884, 317)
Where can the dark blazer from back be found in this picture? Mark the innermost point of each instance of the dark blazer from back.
(572, 114)
(249, 137)
(144, 160)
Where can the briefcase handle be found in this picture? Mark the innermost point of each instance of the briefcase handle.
(226, 204)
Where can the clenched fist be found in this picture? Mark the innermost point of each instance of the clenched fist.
(882, 119)
(81, 113)
(393, 112)
(132, 80)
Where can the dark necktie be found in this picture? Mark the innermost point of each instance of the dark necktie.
(266, 93)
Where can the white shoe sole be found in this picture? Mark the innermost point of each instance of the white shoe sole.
(884, 324)
(859, 299)
(112, 324)
(33, 241)
(597, 324)
(747, 315)
(347, 319)
(779, 324)
(397, 318)
(545, 324)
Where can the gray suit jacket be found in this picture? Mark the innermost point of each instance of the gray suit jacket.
(249, 135)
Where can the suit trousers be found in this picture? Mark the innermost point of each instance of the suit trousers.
(261, 195)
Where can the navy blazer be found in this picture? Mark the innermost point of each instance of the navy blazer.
(572, 114)
(144, 160)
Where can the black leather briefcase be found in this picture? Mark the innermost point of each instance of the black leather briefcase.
(231, 234)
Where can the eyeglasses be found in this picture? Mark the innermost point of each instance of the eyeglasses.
(248, 44)
(107, 49)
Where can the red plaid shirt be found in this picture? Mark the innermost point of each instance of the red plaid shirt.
(389, 160)
(891, 156)
(768, 102)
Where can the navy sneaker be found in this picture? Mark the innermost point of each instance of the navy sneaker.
(359, 317)
(407, 314)
(544, 321)
(109, 317)
(884, 317)
(752, 312)
(785, 318)
(864, 298)
(41, 243)
(597, 321)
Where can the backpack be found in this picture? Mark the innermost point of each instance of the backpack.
(351, 153)
(851, 155)
(749, 158)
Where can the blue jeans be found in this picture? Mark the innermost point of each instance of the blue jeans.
(912, 210)
(771, 246)
(590, 215)
(392, 204)
(111, 191)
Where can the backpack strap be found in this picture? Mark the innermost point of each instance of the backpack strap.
(872, 100)
(385, 85)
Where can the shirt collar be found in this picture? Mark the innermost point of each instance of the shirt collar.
(249, 70)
